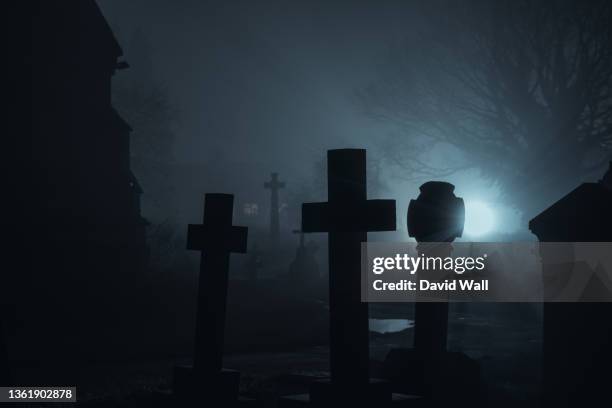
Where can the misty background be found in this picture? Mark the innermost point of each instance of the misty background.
(221, 93)
(509, 100)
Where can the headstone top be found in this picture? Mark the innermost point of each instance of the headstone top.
(348, 209)
(216, 231)
(582, 215)
(437, 215)
(436, 188)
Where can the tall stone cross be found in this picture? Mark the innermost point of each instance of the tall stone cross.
(274, 185)
(347, 217)
(216, 238)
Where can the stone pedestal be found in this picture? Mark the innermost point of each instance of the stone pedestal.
(192, 386)
(446, 379)
(323, 392)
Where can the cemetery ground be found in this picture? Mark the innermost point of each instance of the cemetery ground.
(504, 338)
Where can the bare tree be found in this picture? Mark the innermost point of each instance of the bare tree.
(144, 103)
(521, 89)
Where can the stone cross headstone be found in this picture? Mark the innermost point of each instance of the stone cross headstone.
(347, 217)
(274, 185)
(216, 238)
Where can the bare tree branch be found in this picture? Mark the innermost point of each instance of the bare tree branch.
(522, 84)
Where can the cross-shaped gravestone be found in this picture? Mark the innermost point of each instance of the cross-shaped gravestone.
(347, 217)
(216, 238)
(274, 185)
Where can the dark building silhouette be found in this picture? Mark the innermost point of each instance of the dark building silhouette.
(81, 145)
(88, 231)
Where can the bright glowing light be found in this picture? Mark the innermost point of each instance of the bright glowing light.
(479, 218)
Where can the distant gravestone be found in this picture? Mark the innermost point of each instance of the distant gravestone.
(274, 185)
(254, 263)
(304, 270)
(577, 346)
(301, 234)
(347, 217)
(216, 238)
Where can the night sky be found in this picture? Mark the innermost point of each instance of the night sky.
(264, 81)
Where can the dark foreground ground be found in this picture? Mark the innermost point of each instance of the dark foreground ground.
(507, 348)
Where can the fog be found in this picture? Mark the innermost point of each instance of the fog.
(261, 87)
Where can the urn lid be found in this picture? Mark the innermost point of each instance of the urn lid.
(437, 215)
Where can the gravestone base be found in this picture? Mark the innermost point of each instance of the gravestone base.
(192, 386)
(446, 379)
(324, 391)
(324, 394)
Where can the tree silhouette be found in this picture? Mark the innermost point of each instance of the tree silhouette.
(143, 102)
(521, 89)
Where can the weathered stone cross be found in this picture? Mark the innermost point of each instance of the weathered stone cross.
(347, 217)
(274, 185)
(216, 238)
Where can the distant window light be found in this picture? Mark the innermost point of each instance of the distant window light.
(251, 209)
